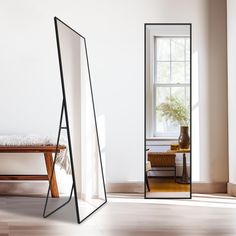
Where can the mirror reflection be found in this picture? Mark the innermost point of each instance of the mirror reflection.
(168, 110)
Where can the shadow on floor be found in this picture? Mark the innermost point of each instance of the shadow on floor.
(34, 206)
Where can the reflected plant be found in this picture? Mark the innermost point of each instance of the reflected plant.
(175, 111)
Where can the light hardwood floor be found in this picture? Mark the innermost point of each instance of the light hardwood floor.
(167, 188)
(123, 215)
(167, 185)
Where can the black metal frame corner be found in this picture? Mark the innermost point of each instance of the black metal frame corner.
(64, 109)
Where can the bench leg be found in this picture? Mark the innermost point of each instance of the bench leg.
(49, 165)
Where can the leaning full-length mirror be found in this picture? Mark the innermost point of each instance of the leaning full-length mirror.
(80, 121)
(167, 151)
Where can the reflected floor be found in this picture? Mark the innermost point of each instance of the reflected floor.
(167, 187)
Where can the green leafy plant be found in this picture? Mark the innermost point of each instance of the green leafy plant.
(175, 111)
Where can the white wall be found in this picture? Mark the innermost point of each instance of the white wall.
(231, 34)
(30, 88)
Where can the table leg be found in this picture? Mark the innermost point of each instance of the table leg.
(49, 165)
(184, 178)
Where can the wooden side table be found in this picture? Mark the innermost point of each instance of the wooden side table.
(184, 178)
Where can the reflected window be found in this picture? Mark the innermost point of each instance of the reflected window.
(171, 84)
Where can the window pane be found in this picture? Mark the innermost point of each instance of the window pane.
(164, 127)
(187, 49)
(183, 95)
(188, 97)
(177, 72)
(177, 49)
(187, 101)
(163, 72)
(178, 92)
(162, 93)
(187, 72)
(163, 49)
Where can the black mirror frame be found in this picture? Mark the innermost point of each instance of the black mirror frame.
(145, 59)
(64, 111)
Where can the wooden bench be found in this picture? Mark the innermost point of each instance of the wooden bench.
(47, 151)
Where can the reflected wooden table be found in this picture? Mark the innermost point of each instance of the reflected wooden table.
(184, 178)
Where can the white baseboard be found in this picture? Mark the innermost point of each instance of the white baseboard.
(209, 187)
(24, 188)
(231, 189)
(40, 188)
(132, 187)
(197, 187)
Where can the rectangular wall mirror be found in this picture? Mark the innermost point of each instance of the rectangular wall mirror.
(85, 181)
(167, 153)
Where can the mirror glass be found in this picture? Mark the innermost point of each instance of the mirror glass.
(167, 111)
(80, 120)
